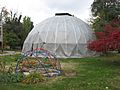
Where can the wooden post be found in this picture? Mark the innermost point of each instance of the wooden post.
(1, 26)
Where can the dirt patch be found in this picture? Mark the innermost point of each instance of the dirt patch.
(69, 73)
(69, 69)
(69, 66)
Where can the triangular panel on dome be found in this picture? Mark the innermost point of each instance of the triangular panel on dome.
(60, 52)
(68, 48)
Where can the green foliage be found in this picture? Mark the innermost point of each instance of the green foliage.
(104, 11)
(11, 77)
(27, 26)
(7, 75)
(33, 78)
(97, 24)
(12, 31)
(12, 39)
(9, 59)
(105, 8)
(15, 31)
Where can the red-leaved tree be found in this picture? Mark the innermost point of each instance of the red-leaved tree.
(108, 40)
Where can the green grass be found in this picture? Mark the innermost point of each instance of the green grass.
(93, 73)
(9, 58)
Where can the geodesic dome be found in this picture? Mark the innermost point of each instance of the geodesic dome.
(63, 34)
(47, 65)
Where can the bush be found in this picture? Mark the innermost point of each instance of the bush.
(33, 78)
(11, 77)
(108, 40)
(7, 75)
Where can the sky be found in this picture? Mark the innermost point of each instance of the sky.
(39, 10)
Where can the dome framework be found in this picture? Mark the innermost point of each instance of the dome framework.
(64, 35)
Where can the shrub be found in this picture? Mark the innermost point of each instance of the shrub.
(108, 40)
(33, 78)
(11, 77)
(7, 75)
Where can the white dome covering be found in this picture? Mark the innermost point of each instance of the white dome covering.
(64, 35)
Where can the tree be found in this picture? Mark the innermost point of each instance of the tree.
(109, 39)
(27, 27)
(13, 25)
(12, 40)
(106, 23)
(14, 29)
(104, 11)
(3, 14)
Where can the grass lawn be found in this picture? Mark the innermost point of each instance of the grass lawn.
(93, 73)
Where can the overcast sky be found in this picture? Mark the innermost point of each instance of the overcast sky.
(39, 10)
